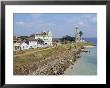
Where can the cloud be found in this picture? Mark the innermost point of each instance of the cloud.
(35, 25)
(94, 19)
(24, 24)
(44, 25)
(20, 23)
(36, 15)
(81, 23)
(90, 17)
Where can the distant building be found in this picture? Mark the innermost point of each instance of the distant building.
(45, 36)
(24, 46)
(16, 44)
(32, 43)
(43, 39)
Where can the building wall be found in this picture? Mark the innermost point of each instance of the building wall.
(32, 44)
(46, 38)
(16, 46)
(24, 46)
(39, 45)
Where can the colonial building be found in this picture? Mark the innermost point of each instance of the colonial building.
(45, 36)
(43, 39)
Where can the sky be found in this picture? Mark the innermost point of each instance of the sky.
(60, 24)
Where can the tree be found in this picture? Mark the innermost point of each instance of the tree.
(67, 38)
(23, 37)
(80, 34)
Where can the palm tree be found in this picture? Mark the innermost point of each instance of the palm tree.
(80, 34)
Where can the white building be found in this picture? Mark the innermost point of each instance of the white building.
(45, 36)
(43, 39)
(33, 44)
(16, 44)
(24, 46)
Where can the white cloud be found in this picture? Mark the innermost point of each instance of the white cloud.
(90, 17)
(24, 24)
(81, 23)
(94, 19)
(44, 25)
(87, 16)
(20, 23)
(36, 25)
(36, 15)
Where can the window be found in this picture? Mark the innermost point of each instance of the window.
(45, 43)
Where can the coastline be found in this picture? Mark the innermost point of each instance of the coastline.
(89, 46)
(84, 65)
(58, 60)
(54, 64)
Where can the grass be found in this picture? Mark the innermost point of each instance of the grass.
(84, 44)
(28, 50)
(35, 55)
(26, 61)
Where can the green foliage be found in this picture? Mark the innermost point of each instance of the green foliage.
(67, 38)
(80, 33)
(23, 37)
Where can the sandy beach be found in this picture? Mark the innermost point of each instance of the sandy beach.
(86, 65)
(89, 46)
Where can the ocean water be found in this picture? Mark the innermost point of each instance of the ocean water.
(86, 65)
(92, 40)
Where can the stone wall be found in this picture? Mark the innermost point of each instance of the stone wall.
(53, 65)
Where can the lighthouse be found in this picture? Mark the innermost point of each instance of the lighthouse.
(77, 36)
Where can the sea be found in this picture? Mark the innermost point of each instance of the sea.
(87, 63)
(92, 40)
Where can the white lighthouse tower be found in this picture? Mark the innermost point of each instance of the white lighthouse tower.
(50, 38)
(77, 36)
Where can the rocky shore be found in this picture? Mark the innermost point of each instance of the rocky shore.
(52, 65)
